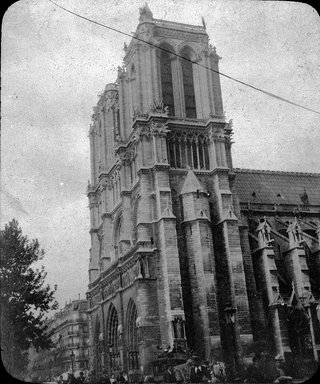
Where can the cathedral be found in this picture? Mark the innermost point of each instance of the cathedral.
(187, 252)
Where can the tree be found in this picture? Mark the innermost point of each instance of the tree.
(25, 299)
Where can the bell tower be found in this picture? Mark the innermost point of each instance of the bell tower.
(164, 222)
(150, 74)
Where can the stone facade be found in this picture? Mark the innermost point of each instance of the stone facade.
(171, 256)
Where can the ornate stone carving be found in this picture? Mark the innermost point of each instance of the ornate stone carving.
(277, 298)
(95, 299)
(145, 33)
(216, 134)
(174, 34)
(264, 233)
(145, 14)
(158, 129)
(138, 114)
(111, 287)
(158, 107)
(178, 328)
(127, 155)
(295, 234)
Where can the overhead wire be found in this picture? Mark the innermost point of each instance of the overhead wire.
(187, 59)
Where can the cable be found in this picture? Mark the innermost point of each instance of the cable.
(184, 58)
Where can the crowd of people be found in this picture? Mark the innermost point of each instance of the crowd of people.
(93, 378)
(262, 370)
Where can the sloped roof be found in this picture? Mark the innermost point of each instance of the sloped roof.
(270, 187)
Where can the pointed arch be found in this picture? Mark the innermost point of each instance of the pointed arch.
(188, 81)
(166, 78)
(132, 336)
(113, 338)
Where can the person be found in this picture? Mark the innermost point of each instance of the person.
(105, 377)
(183, 371)
(169, 375)
(282, 377)
(122, 378)
(149, 379)
(254, 373)
(73, 380)
(113, 379)
(60, 380)
(81, 379)
(195, 374)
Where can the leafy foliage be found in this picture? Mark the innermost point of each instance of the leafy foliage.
(25, 298)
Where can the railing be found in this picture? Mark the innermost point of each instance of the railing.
(172, 24)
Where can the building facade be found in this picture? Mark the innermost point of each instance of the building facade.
(69, 328)
(174, 246)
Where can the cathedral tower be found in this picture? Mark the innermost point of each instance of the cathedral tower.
(166, 266)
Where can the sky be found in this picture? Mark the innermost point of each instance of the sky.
(54, 65)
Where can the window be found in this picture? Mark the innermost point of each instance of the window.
(166, 81)
(113, 338)
(188, 85)
(132, 332)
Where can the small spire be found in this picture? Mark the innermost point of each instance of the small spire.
(145, 13)
(203, 23)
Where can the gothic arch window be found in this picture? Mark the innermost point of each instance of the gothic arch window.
(132, 336)
(166, 79)
(188, 83)
(117, 237)
(113, 338)
(188, 151)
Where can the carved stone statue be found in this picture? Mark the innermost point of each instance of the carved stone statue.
(178, 328)
(264, 233)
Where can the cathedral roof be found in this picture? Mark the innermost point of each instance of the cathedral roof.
(277, 187)
(191, 184)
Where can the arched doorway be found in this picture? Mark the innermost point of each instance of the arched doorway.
(113, 339)
(132, 336)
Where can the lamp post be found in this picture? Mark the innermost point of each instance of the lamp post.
(229, 313)
(72, 356)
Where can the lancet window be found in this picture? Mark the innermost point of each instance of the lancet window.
(188, 150)
(188, 85)
(132, 336)
(166, 81)
(113, 338)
